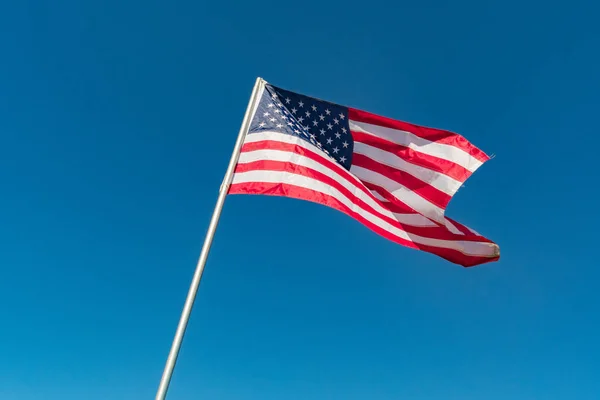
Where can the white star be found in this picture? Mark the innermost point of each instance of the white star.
(314, 108)
(272, 120)
(329, 140)
(313, 137)
(278, 111)
(327, 112)
(321, 117)
(290, 123)
(315, 123)
(336, 150)
(284, 116)
(279, 126)
(301, 104)
(306, 128)
(338, 135)
(345, 144)
(270, 105)
(322, 131)
(329, 126)
(337, 121)
(262, 124)
(342, 116)
(274, 96)
(343, 159)
(266, 114)
(343, 129)
(287, 100)
(294, 110)
(319, 144)
(301, 119)
(297, 131)
(307, 114)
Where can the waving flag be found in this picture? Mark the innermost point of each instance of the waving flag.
(394, 177)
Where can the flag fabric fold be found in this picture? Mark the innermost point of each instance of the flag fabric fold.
(394, 177)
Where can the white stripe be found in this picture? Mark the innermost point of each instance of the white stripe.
(440, 181)
(402, 193)
(278, 137)
(452, 228)
(408, 139)
(468, 248)
(473, 231)
(412, 219)
(415, 220)
(378, 196)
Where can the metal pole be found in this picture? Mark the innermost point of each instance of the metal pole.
(189, 302)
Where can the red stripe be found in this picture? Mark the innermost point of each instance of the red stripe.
(287, 190)
(431, 232)
(446, 167)
(405, 179)
(431, 134)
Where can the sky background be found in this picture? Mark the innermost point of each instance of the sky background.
(117, 120)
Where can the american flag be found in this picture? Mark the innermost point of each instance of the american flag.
(394, 177)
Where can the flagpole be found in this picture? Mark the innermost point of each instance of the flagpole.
(189, 302)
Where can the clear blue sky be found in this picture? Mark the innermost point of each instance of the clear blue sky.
(117, 119)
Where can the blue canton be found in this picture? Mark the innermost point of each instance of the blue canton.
(323, 124)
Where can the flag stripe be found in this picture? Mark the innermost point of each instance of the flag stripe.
(463, 229)
(452, 227)
(281, 180)
(410, 216)
(288, 190)
(440, 181)
(308, 168)
(284, 148)
(433, 163)
(271, 151)
(430, 134)
(398, 177)
(408, 139)
(397, 207)
(310, 179)
(391, 203)
(416, 218)
(281, 173)
(400, 192)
